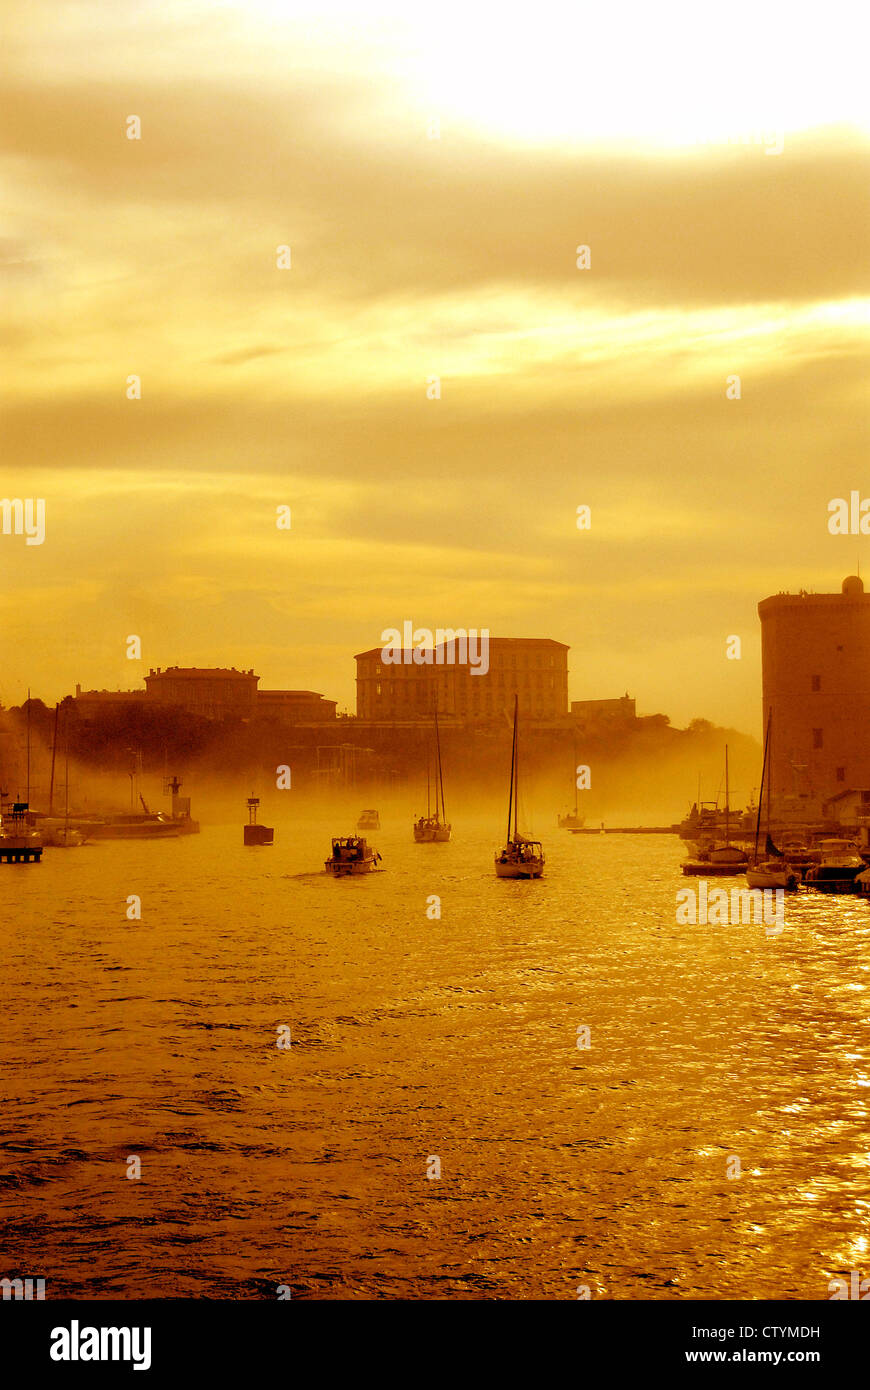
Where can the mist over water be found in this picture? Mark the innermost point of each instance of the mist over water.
(414, 1037)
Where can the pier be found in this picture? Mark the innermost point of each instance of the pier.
(20, 854)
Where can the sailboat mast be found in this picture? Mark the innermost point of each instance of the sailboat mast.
(428, 792)
(769, 779)
(66, 781)
(761, 791)
(727, 807)
(513, 765)
(516, 765)
(440, 773)
(53, 755)
(27, 798)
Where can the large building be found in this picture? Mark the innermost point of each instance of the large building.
(815, 655)
(534, 668)
(214, 692)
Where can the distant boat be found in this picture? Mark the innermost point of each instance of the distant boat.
(369, 820)
(573, 820)
(431, 829)
(351, 855)
(862, 884)
(520, 858)
(770, 870)
(722, 860)
(255, 834)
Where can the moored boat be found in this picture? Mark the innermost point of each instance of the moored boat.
(369, 820)
(351, 855)
(520, 857)
(838, 867)
(772, 873)
(721, 860)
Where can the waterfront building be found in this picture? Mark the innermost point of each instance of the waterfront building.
(815, 654)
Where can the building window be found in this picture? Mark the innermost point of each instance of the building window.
(817, 682)
(841, 774)
(817, 738)
(378, 688)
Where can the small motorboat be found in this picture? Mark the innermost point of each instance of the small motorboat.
(351, 855)
(838, 867)
(862, 883)
(772, 873)
(369, 820)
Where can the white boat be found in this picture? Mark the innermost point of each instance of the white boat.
(351, 855)
(772, 873)
(369, 820)
(429, 829)
(521, 857)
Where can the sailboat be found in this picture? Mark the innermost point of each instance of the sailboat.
(723, 860)
(769, 870)
(520, 858)
(61, 835)
(573, 820)
(435, 829)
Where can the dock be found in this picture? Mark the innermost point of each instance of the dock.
(20, 854)
(628, 830)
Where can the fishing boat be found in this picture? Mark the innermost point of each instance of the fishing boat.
(770, 870)
(351, 855)
(369, 820)
(722, 859)
(838, 868)
(521, 857)
(573, 819)
(429, 829)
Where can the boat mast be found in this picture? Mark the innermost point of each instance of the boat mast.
(53, 754)
(66, 781)
(769, 779)
(428, 792)
(761, 791)
(516, 765)
(727, 808)
(513, 766)
(440, 773)
(574, 780)
(27, 798)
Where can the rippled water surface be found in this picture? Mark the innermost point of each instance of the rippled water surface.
(412, 1038)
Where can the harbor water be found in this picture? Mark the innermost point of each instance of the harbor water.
(422, 1045)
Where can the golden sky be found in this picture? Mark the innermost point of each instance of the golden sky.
(642, 134)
